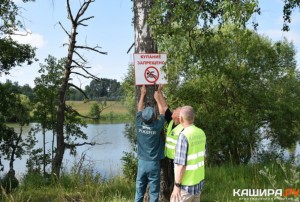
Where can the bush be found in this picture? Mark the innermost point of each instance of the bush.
(129, 166)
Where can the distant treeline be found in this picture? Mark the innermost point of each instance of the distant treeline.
(102, 89)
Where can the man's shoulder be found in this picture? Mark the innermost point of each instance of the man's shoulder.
(194, 127)
(161, 119)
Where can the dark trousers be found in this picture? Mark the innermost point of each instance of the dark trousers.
(148, 172)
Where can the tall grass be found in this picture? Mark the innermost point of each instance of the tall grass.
(73, 187)
(219, 186)
(221, 181)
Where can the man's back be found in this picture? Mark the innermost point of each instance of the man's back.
(150, 143)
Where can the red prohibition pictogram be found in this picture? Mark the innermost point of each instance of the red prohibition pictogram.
(151, 74)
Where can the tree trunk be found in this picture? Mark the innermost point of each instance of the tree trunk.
(44, 150)
(60, 140)
(145, 43)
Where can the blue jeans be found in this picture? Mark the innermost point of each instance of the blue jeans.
(148, 172)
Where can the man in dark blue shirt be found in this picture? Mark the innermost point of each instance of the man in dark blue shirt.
(150, 148)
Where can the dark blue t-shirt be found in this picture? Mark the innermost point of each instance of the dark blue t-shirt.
(150, 143)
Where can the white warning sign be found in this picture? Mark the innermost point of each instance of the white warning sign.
(148, 68)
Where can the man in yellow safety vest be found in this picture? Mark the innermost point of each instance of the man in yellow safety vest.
(189, 159)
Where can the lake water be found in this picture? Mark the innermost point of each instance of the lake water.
(104, 159)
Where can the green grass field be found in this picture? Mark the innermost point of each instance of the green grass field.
(83, 107)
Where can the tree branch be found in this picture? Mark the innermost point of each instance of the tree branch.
(103, 107)
(76, 63)
(64, 29)
(85, 143)
(79, 56)
(83, 8)
(85, 76)
(71, 110)
(70, 84)
(80, 65)
(70, 16)
(130, 48)
(84, 19)
(95, 77)
(92, 49)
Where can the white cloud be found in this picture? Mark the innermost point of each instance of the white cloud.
(34, 39)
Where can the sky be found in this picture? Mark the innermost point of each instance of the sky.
(112, 30)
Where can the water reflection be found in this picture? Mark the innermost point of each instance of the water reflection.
(104, 157)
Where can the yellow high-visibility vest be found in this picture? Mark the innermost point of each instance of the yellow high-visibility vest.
(195, 171)
(171, 139)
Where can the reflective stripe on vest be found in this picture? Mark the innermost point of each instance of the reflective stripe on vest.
(171, 139)
(195, 166)
(194, 156)
(194, 172)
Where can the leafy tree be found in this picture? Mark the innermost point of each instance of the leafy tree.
(25, 90)
(95, 111)
(28, 91)
(75, 95)
(12, 144)
(159, 19)
(12, 53)
(182, 18)
(9, 12)
(45, 112)
(37, 159)
(288, 9)
(46, 92)
(237, 90)
(128, 89)
(103, 87)
(97, 108)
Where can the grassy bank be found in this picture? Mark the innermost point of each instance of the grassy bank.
(114, 111)
(220, 182)
(72, 188)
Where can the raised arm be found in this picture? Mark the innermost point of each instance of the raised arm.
(160, 100)
(141, 100)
